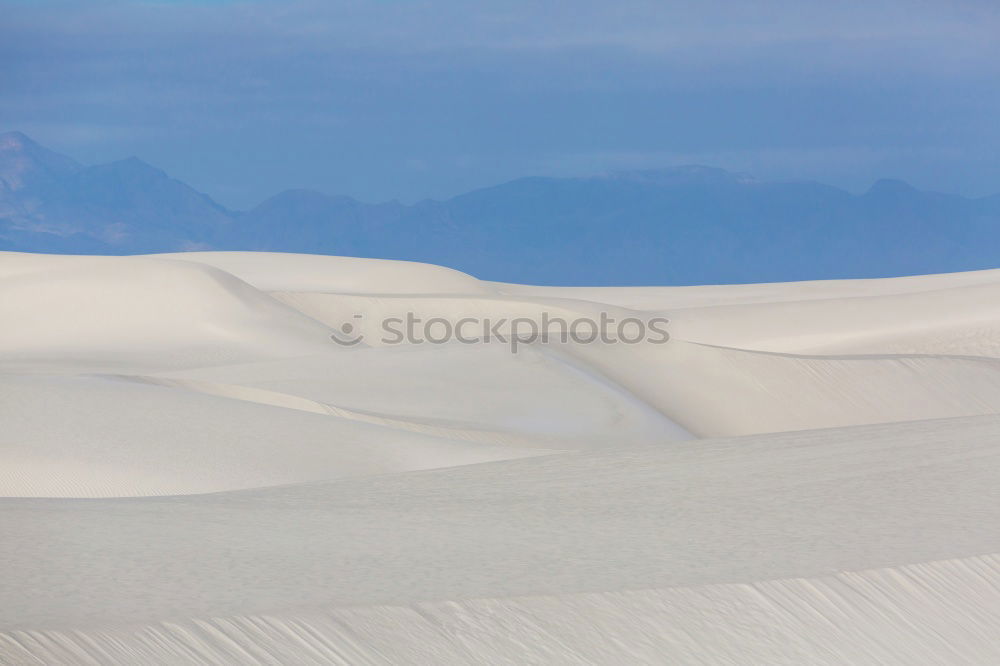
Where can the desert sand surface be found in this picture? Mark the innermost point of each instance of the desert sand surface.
(218, 458)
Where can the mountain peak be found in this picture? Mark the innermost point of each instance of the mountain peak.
(15, 141)
(134, 162)
(890, 186)
(24, 163)
(686, 174)
(302, 199)
(130, 168)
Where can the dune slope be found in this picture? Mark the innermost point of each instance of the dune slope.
(218, 458)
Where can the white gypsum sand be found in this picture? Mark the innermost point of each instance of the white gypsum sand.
(193, 471)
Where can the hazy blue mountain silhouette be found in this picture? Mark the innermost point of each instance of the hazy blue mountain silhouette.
(684, 225)
(50, 203)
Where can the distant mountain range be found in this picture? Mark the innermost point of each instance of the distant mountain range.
(685, 225)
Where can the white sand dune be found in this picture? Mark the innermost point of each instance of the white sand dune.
(915, 614)
(715, 512)
(719, 391)
(277, 271)
(414, 387)
(193, 471)
(98, 437)
(733, 294)
(124, 310)
(956, 320)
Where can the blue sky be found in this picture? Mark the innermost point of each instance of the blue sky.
(429, 98)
